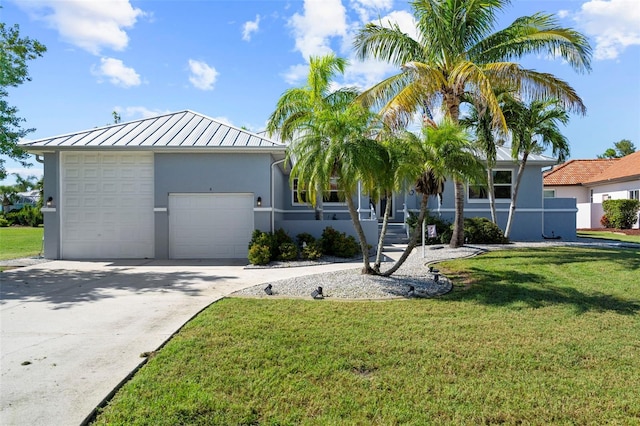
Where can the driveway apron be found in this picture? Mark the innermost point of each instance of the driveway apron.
(72, 331)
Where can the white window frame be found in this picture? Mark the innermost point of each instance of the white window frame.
(325, 200)
(634, 194)
(497, 200)
(551, 192)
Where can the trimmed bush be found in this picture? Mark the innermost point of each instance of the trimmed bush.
(480, 230)
(259, 254)
(3, 222)
(311, 251)
(443, 228)
(338, 243)
(622, 214)
(288, 251)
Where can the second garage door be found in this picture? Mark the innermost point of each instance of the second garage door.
(210, 226)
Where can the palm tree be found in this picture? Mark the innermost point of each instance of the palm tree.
(534, 128)
(298, 107)
(331, 139)
(456, 53)
(443, 151)
(340, 146)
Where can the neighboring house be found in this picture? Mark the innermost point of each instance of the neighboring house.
(592, 181)
(20, 199)
(185, 186)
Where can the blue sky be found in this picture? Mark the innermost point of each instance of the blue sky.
(231, 60)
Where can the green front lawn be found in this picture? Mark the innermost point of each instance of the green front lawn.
(18, 241)
(606, 235)
(527, 336)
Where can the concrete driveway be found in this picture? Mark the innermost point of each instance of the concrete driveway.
(72, 331)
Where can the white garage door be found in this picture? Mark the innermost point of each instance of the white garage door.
(210, 226)
(107, 205)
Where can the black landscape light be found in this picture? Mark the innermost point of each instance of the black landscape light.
(317, 293)
(412, 291)
(436, 277)
(269, 290)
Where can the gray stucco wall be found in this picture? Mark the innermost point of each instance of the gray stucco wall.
(51, 216)
(209, 173)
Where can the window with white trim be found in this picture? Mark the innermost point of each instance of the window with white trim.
(330, 197)
(634, 194)
(502, 183)
(549, 193)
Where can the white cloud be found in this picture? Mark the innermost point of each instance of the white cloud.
(366, 8)
(202, 76)
(249, 28)
(321, 20)
(614, 25)
(296, 74)
(563, 14)
(90, 25)
(116, 72)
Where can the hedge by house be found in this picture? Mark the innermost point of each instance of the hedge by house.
(621, 214)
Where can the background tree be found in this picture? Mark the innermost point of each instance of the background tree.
(14, 54)
(456, 53)
(620, 149)
(534, 128)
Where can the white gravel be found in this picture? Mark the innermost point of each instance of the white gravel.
(351, 284)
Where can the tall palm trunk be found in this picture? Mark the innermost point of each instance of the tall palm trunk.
(364, 247)
(514, 197)
(383, 233)
(414, 238)
(492, 196)
(457, 239)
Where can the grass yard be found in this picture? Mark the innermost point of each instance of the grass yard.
(19, 241)
(606, 235)
(535, 336)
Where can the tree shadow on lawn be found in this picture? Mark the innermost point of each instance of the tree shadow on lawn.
(509, 287)
(65, 288)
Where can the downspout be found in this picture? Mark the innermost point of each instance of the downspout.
(273, 197)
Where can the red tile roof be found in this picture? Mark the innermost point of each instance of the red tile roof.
(626, 168)
(575, 172)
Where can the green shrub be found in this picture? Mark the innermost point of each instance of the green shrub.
(288, 251)
(311, 251)
(259, 254)
(3, 222)
(338, 243)
(480, 230)
(31, 216)
(622, 214)
(443, 228)
(304, 239)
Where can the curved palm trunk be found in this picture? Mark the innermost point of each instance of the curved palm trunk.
(457, 239)
(364, 247)
(512, 207)
(383, 233)
(413, 240)
(492, 196)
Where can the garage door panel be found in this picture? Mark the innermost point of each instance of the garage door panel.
(203, 226)
(99, 218)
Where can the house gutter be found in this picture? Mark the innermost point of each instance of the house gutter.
(273, 197)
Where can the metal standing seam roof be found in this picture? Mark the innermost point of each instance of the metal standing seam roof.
(183, 129)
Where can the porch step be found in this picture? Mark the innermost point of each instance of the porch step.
(396, 234)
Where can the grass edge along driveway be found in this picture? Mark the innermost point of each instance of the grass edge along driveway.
(535, 336)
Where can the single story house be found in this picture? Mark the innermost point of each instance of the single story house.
(591, 182)
(185, 186)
